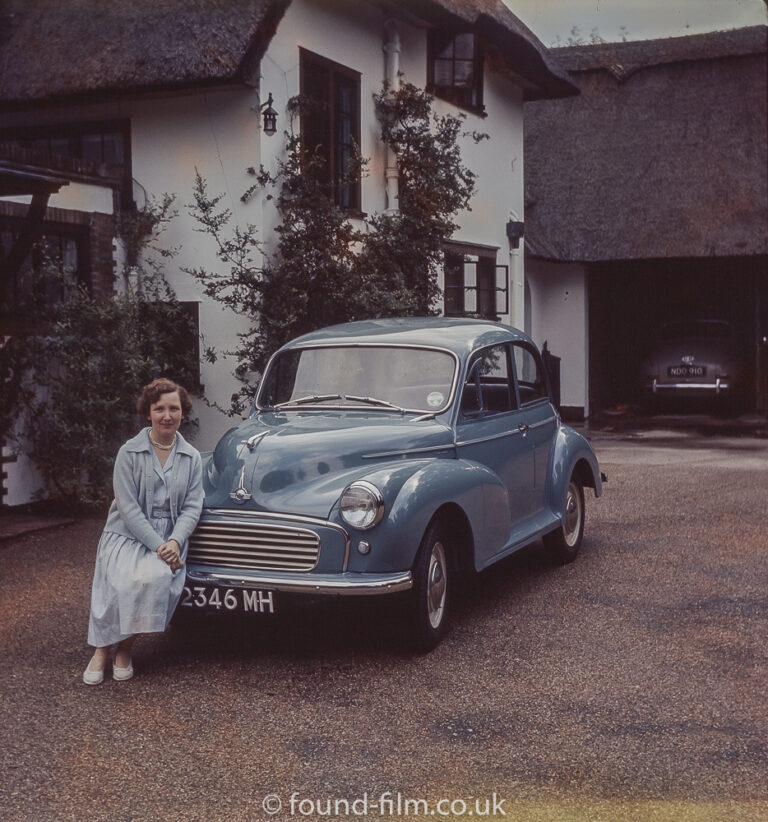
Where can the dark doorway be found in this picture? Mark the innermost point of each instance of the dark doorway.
(628, 302)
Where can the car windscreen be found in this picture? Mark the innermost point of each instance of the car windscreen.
(417, 379)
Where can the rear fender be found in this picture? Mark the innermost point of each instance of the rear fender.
(572, 455)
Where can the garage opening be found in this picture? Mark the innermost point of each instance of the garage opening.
(629, 302)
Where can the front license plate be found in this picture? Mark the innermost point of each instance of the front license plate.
(233, 600)
(687, 371)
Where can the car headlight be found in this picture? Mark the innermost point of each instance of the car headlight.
(362, 505)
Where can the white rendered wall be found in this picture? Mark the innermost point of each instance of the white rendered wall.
(559, 316)
(355, 40)
(217, 133)
(23, 481)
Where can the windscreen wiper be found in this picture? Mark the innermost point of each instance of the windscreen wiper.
(374, 401)
(309, 399)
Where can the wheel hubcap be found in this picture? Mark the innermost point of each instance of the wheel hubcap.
(436, 585)
(572, 523)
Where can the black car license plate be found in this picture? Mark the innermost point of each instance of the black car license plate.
(687, 371)
(230, 600)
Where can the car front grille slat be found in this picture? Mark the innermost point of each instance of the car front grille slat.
(247, 542)
(255, 546)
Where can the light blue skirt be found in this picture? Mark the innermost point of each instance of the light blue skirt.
(134, 591)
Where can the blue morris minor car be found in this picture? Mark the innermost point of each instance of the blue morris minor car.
(382, 457)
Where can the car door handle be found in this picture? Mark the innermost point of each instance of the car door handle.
(523, 429)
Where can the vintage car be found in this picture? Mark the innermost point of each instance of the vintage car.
(382, 457)
(694, 358)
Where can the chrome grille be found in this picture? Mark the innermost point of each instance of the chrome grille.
(254, 546)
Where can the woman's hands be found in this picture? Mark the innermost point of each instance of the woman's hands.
(170, 552)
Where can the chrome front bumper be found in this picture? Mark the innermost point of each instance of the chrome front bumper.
(715, 387)
(344, 584)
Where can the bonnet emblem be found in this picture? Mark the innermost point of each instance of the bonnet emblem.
(253, 441)
(240, 494)
(687, 358)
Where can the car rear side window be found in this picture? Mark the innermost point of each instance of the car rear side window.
(530, 376)
(488, 389)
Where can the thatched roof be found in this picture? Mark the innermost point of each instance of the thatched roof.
(664, 153)
(59, 48)
(54, 49)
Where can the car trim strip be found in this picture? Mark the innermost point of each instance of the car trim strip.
(542, 423)
(515, 432)
(351, 584)
(511, 433)
(409, 451)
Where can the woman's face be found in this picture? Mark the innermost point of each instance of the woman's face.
(165, 415)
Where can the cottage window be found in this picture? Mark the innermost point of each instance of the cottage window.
(33, 287)
(473, 284)
(330, 126)
(98, 144)
(455, 68)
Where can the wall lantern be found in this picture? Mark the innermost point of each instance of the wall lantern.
(270, 116)
(515, 231)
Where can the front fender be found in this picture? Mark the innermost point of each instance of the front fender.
(475, 489)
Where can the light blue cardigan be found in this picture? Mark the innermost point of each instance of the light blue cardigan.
(134, 485)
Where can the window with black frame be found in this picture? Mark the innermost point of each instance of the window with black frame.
(60, 256)
(474, 285)
(105, 144)
(455, 68)
(330, 126)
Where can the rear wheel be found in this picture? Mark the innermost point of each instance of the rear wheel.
(564, 543)
(429, 599)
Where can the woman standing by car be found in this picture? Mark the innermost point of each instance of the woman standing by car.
(138, 577)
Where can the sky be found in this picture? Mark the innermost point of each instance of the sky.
(614, 20)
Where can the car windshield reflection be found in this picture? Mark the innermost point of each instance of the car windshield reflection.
(389, 378)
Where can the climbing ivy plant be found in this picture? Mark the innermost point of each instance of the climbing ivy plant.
(326, 267)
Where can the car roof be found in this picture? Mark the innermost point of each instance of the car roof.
(461, 335)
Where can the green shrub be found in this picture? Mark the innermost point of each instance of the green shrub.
(87, 361)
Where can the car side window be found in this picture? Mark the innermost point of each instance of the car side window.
(531, 383)
(488, 389)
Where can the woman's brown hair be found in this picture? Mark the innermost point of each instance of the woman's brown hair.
(152, 393)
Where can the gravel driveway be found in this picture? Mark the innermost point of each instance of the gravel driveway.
(629, 685)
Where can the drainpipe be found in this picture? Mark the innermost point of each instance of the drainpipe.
(516, 278)
(392, 76)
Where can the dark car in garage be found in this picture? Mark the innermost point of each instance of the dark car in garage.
(696, 358)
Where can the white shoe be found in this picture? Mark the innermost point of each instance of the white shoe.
(121, 674)
(93, 677)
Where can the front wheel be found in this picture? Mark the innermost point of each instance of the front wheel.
(429, 599)
(564, 543)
